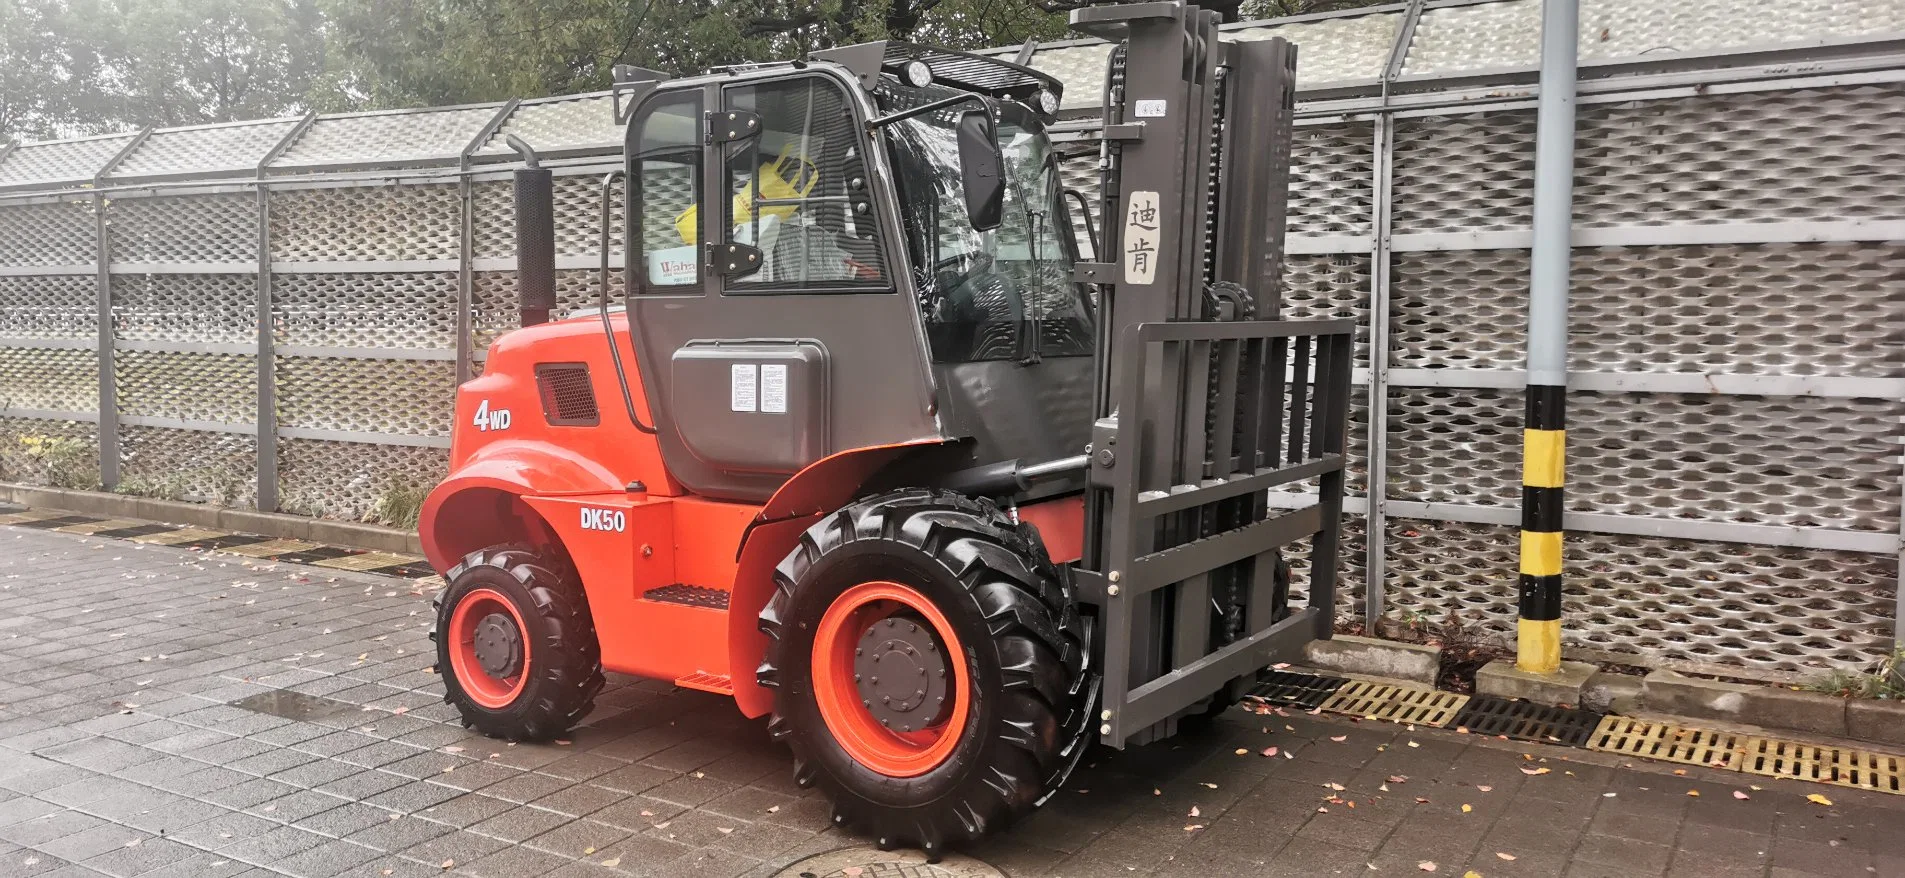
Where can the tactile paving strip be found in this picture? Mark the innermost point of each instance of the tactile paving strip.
(410, 567)
(1664, 741)
(1402, 704)
(1844, 767)
(1526, 720)
(1307, 691)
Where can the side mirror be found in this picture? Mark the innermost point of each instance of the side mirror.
(981, 170)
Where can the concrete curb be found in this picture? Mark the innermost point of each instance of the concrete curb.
(271, 524)
(1869, 719)
(1501, 679)
(1669, 692)
(1368, 656)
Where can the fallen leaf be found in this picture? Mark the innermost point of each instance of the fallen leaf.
(1421, 801)
(1426, 866)
(1509, 857)
(1414, 744)
(1194, 827)
(1157, 792)
(853, 871)
(1471, 874)
(1383, 789)
(1680, 772)
(1398, 778)
(1817, 799)
(1269, 751)
(1242, 752)
(1339, 738)
(453, 749)
(588, 850)
(1466, 807)
(647, 813)
(133, 843)
(1737, 794)
(1534, 771)
(1485, 788)
(612, 862)
(1321, 810)
(725, 830)
(390, 871)
(774, 810)
(1753, 786)
(448, 863)
(561, 743)
(1694, 793)
(663, 824)
(1334, 786)
(1211, 785)
(1195, 812)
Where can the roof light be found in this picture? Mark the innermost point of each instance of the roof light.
(918, 74)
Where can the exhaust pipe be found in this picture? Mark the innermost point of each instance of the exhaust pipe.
(535, 235)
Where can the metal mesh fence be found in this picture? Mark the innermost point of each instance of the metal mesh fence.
(1737, 333)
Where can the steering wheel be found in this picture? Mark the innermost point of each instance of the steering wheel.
(980, 263)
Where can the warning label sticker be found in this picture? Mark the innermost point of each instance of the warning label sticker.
(743, 387)
(774, 387)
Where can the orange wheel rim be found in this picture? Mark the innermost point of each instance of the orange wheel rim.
(844, 705)
(485, 687)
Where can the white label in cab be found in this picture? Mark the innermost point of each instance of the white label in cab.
(743, 387)
(1150, 110)
(1141, 222)
(774, 387)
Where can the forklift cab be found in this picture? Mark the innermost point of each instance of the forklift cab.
(822, 258)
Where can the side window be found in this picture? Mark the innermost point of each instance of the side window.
(799, 192)
(666, 171)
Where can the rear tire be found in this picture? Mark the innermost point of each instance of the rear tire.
(1005, 620)
(516, 645)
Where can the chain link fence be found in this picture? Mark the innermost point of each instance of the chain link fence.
(274, 314)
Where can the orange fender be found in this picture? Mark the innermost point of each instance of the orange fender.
(473, 507)
(822, 487)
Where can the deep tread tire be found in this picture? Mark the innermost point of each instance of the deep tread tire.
(1015, 615)
(565, 671)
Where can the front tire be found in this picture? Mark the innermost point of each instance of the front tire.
(516, 646)
(986, 705)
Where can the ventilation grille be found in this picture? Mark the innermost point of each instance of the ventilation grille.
(567, 397)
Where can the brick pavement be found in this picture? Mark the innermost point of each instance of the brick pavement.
(121, 754)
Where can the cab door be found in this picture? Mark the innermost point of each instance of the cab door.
(772, 317)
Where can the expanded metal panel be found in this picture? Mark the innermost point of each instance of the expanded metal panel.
(405, 397)
(348, 480)
(1795, 461)
(1457, 445)
(1472, 172)
(204, 308)
(1507, 34)
(48, 306)
(386, 138)
(1332, 187)
(52, 233)
(578, 202)
(1825, 154)
(1755, 606)
(1319, 287)
(184, 228)
(1081, 68)
(497, 309)
(492, 219)
(63, 161)
(1762, 309)
(195, 465)
(222, 388)
(58, 454)
(1351, 571)
(225, 148)
(1333, 49)
(366, 223)
(49, 380)
(366, 310)
(580, 121)
(1436, 566)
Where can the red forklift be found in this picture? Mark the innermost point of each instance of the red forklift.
(869, 446)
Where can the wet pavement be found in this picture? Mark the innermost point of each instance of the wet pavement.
(170, 713)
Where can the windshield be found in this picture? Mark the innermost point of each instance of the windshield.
(997, 295)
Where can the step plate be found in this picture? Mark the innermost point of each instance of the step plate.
(719, 684)
(691, 595)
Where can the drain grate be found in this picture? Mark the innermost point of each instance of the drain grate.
(1307, 691)
(1664, 741)
(295, 705)
(1527, 721)
(1847, 768)
(1401, 704)
(865, 862)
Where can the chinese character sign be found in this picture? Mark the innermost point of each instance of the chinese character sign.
(1141, 238)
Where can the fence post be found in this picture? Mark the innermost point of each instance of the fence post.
(267, 417)
(108, 387)
(1376, 448)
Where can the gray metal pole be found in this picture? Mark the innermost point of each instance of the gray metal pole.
(1538, 630)
(1554, 197)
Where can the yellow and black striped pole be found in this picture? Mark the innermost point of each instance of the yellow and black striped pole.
(1544, 458)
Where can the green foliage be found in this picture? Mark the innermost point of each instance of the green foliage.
(400, 505)
(71, 67)
(53, 461)
(1885, 680)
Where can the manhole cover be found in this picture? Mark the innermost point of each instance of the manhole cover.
(295, 705)
(867, 862)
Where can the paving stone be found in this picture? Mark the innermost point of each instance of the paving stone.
(148, 855)
(328, 859)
